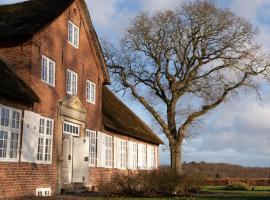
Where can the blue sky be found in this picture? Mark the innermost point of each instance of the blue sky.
(236, 132)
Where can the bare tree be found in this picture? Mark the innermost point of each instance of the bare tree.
(180, 64)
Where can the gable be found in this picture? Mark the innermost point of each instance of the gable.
(22, 21)
(72, 107)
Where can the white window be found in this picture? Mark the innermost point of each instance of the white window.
(43, 192)
(108, 151)
(10, 126)
(151, 157)
(92, 135)
(71, 128)
(48, 70)
(123, 153)
(90, 92)
(45, 138)
(73, 34)
(134, 160)
(142, 156)
(71, 82)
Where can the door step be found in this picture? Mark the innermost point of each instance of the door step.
(74, 188)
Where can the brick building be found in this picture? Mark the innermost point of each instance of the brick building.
(59, 124)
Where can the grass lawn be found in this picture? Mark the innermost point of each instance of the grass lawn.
(208, 193)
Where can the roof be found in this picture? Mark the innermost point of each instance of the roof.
(12, 85)
(119, 118)
(21, 21)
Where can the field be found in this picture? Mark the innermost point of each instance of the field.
(208, 193)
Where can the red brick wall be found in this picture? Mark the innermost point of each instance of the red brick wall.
(20, 179)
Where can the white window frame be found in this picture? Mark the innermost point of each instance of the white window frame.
(90, 92)
(123, 154)
(151, 157)
(71, 82)
(45, 152)
(92, 135)
(48, 70)
(75, 128)
(108, 141)
(9, 130)
(144, 156)
(134, 154)
(73, 34)
(43, 192)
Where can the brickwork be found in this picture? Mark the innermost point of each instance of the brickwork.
(21, 179)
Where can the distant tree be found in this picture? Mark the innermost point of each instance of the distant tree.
(180, 64)
(218, 175)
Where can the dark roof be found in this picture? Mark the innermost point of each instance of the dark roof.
(13, 86)
(119, 118)
(21, 21)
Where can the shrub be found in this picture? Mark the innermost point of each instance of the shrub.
(151, 184)
(238, 186)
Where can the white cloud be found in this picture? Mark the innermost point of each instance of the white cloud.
(153, 5)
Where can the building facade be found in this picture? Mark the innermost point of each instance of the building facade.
(59, 124)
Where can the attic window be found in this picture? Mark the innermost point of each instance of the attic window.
(73, 34)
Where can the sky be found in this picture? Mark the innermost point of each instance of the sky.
(237, 132)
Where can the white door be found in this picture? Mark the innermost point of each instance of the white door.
(67, 159)
(80, 160)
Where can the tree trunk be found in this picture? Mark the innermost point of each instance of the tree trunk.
(176, 158)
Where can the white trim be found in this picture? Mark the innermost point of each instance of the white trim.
(89, 97)
(42, 192)
(9, 129)
(92, 145)
(74, 28)
(48, 61)
(122, 154)
(76, 126)
(45, 137)
(71, 83)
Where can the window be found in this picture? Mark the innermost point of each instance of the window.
(73, 34)
(90, 92)
(134, 164)
(108, 151)
(70, 128)
(71, 82)
(92, 135)
(43, 192)
(151, 157)
(123, 153)
(48, 70)
(45, 137)
(144, 156)
(10, 126)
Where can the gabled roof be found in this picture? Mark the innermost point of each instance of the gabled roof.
(119, 118)
(21, 21)
(13, 86)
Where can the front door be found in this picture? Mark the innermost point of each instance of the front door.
(80, 160)
(75, 167)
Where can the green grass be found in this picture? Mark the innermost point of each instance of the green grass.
(208, 193)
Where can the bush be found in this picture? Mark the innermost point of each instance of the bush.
(238, 186)
(151, 184)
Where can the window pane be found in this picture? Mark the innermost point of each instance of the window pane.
(3, 144)
(40, 149)
(13, 145)
(51, 73)
(76, 36)
(68, 83)
(48, 150)
(44, 69)
(70, 32)
(5, 117)
(49, 127)
(15, 120)
(41, 126)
